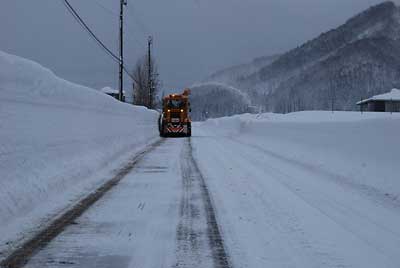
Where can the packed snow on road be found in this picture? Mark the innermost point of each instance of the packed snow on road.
(306, 189)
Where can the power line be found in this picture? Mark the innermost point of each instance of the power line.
(135, 17)
(111, 12)
(84, 25)
(135, 40)
(92, 35)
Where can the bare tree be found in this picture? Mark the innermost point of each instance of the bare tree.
(143, 91)
(140, 83)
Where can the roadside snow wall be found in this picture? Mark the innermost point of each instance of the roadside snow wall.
(55, 136)
(361, 150)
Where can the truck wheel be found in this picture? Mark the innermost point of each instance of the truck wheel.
(162, 133)
(189, 130)
(161, 125)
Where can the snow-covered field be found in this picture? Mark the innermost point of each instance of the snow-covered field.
(57, 141)
(356, 148)
(310, 189)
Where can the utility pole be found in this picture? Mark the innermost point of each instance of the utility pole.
(121, 49)
(149, 78)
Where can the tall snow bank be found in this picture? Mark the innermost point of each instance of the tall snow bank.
(22, 79)
(56, 138)
(349, 147)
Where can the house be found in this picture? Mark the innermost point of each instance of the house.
(388, 102)
(113, 93)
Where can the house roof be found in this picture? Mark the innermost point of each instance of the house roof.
(393, 95)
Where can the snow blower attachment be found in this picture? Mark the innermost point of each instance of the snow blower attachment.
(175, 118)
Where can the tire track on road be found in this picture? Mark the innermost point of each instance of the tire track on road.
(20, 256)
(370, 192)
(198, 234)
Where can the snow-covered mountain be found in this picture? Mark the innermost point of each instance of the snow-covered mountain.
(234, 74)
(336, 69)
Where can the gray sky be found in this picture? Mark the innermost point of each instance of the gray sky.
(192, 38)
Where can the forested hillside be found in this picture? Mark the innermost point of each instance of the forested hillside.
(335, 70)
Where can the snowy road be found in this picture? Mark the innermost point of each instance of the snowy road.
(160, 215)
(214, 201)
(276, 212)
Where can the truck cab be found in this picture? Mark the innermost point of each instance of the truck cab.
(175, 117)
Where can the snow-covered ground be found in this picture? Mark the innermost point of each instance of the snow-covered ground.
(356, 148)
(128, 227)
(279, 190)
(57, 141)
(310, 189)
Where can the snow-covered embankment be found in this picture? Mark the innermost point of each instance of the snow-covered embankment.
(359, 149)
(57, 140)
(308, 189)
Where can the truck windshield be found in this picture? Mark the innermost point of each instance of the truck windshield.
(175, 104)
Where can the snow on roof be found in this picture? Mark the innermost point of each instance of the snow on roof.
(109, 90)
(394, 95)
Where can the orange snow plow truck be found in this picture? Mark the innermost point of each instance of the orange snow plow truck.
(175, 118)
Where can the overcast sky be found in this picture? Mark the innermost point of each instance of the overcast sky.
(192, 38)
